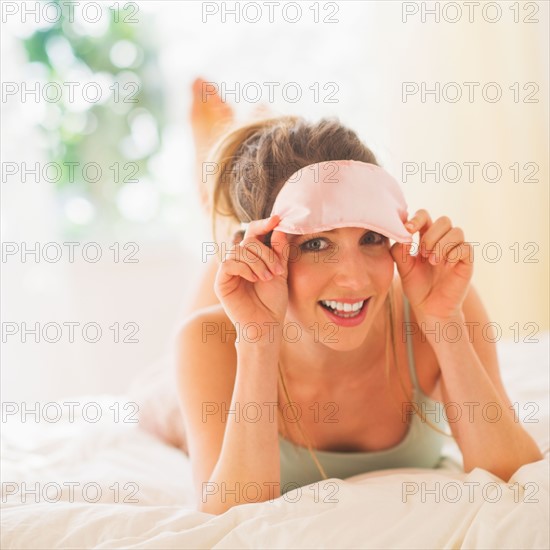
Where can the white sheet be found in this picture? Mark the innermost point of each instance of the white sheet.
(371, 510)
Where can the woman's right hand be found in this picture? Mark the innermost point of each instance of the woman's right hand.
(248, 284)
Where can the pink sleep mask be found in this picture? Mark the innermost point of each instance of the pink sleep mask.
(342, 193)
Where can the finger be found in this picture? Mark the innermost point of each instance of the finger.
(421, 222)
(255, 238)
(264, 257)
(433, 234)
(401, 256)
(258, 228)
(231, 268)
(443, 248)
(254, 263)
(463, 252)
(279, 243)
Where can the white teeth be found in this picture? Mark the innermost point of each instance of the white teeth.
(346, 308)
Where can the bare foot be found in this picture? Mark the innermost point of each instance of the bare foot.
(210, 117)
(262, 111)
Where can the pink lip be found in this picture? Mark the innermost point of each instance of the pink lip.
(351, 321)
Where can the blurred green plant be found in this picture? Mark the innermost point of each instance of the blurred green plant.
(101, 145)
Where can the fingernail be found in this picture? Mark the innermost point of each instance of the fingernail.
(268, 275)
(279, 269)
(409, 225)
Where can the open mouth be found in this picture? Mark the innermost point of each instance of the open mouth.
(344, 310)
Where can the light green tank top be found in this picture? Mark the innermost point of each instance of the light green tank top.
(420, 448)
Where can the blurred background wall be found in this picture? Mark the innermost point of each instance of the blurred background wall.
(453, 100)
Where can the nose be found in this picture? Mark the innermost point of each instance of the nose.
(351, 270)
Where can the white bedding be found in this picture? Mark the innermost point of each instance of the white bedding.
(370, 510)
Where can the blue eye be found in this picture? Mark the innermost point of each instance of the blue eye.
(375, 238)
(306, 246)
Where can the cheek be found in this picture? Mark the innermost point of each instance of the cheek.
(389, 265)
(303, 281)
(382, 269)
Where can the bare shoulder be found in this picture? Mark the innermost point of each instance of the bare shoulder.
(209, 325)
(207, 337)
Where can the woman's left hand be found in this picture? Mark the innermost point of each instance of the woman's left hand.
(436, 280)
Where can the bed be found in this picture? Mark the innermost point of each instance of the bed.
(91, 478)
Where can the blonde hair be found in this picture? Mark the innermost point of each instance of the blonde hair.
(252, 163)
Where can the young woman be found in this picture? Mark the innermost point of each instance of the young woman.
(269, 410)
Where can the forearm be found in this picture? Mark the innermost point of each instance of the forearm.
(250, 449)
(486, 428)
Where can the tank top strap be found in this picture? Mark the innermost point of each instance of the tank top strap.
(408, 338)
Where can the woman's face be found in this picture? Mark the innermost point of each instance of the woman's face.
(347, 265)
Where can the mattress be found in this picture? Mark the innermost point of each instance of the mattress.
(86, 476)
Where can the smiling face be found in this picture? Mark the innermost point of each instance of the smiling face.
(338, 281)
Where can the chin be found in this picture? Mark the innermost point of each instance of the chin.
(337, 342)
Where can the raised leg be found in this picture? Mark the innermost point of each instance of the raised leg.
(210, 118)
